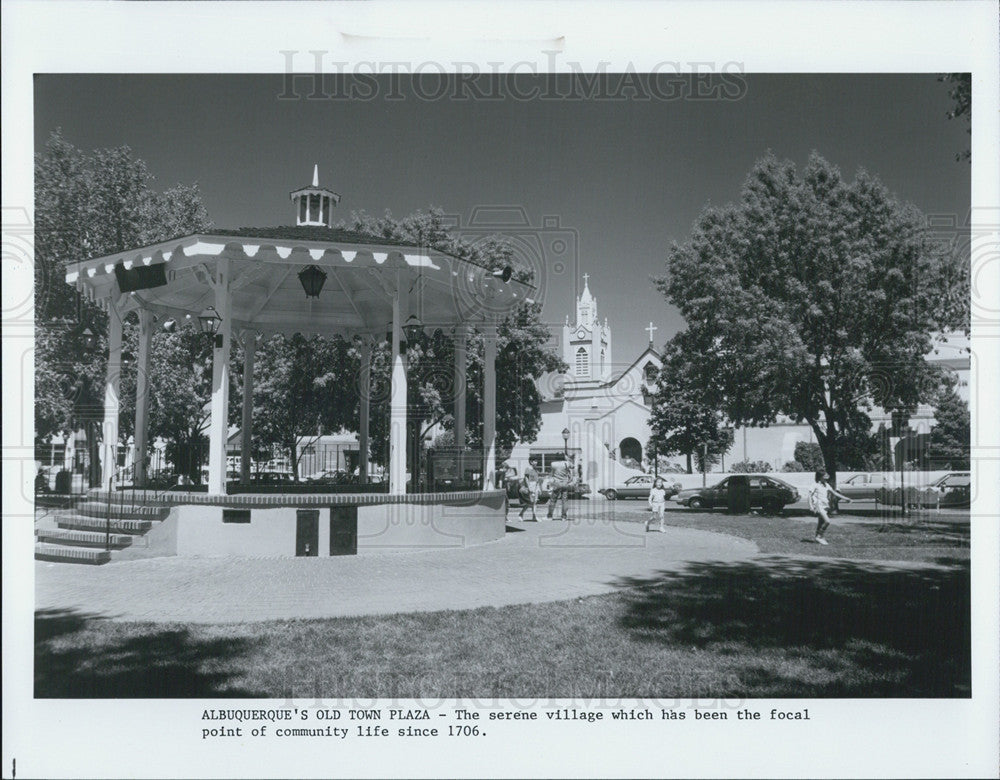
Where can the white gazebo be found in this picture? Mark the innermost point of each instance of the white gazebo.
(309, 279)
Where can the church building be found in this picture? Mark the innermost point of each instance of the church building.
(599, 409)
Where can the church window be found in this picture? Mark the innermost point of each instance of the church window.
(650, 372)
(581, 362)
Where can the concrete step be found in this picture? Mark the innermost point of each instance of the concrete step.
(62, 554)
(100, 524)
(83, 538)
(127, 511)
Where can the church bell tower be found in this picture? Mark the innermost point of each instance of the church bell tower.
(587, 342)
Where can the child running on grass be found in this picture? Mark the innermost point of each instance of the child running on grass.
(657, 503)
(819, 503)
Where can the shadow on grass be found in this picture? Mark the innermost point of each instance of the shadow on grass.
(82, 656)
(891, 631)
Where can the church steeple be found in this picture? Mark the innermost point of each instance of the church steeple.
(314, 205)
(586, 306)
(586, 342)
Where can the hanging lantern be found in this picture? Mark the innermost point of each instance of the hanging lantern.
(88, 338)
(312, 280)
(412, 328)
(209, 321)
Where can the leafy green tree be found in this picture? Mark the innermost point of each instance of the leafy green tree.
(301, 389)
(813, 298)
(960, 91)
(180, 388)
(950, 436)
(88, 205)
(681, 420)
(809, 455)
(523, 349)
(751, 467)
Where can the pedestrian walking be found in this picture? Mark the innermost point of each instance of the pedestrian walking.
(528, 492)
(562, 478)
(657, 503)
(819, 504)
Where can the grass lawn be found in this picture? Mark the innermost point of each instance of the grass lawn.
(861, 534)
(800, 621)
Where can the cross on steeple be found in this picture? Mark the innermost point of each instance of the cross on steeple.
(585, 278)
(651, 328)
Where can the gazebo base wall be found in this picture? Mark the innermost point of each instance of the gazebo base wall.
(316, 525)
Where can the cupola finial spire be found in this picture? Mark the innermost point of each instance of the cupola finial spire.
(314, 205)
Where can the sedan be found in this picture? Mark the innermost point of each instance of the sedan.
(637, 487)
(576, 490)
(951, 490)
(864, 487)
(329, 477)
(768, 493)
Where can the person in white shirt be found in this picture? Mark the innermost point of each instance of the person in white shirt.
(819, 504)
(657, 503)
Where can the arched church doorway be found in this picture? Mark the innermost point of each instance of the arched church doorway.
(630, 448)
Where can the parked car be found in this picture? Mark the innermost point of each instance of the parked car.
(272, 478)
(951, 490)
(768, 493)
(638, 487)
(576, 490)
(330, 477)
(864, 487)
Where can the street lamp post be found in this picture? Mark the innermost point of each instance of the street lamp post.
(565, 435)
(900, 425)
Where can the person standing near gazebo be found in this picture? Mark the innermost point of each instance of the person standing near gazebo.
(562, 480)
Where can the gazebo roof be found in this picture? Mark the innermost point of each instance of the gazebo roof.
(177, 277)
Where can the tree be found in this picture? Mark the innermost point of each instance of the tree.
(302, 387)
(950, 436)
(751, 467)
(809, 454)
(180, 388)
(682, 422)
(523, 349)
(812, 298)
(961, 94)
(88, 205)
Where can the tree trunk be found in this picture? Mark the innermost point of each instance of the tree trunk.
(828, 445)
(690, 471)
(827, 441)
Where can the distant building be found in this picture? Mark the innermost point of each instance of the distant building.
(604, 406)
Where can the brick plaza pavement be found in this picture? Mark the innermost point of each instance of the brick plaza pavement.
(534, 562)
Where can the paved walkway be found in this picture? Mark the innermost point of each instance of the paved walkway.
(535, 562)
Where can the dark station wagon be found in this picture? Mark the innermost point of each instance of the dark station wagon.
(768, 493)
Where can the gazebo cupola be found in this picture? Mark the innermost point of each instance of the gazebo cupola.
(314, 205)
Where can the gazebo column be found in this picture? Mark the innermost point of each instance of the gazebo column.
(218, 425)
(112, 381)
(146, 320)
(461, 349)
(489, 406)
(397, 404)
(364, 387)
(246, 425)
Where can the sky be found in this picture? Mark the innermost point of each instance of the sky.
(611, 182)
